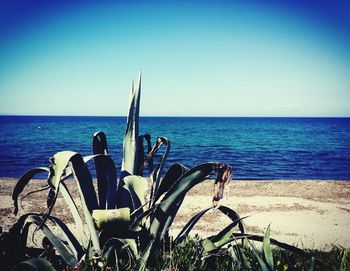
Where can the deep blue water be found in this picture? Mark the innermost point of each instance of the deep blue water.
(256, 148)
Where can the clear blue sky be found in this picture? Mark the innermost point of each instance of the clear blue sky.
(198, 58)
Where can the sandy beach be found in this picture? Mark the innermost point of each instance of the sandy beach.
(309, 214)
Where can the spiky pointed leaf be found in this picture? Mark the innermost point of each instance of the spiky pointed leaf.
(130, 145)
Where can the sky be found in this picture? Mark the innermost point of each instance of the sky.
(198, 58)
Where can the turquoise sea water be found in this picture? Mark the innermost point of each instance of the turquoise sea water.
(256, 148)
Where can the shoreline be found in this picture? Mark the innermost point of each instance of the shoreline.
(306, 213)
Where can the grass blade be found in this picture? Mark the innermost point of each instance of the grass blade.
(267, 248)
(263, 266)
(142, 261)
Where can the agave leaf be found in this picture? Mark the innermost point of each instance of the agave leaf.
(135, 226)
(233, 215)
(167, 209)
(221, 238)
(231, 251)
(99, 146)
(23, 181)
(130, 145)
(244, 259)
(59, 162)
(75, 213)
(65, 253)
(312, 265)
(107, 183)
(274, 242)
(141, 154)
(112, 218)
(142, 162)
(39, 264)
(137, 187)
(171, 176)
(267, 248)
(142, 261)
(190, 224)
(68, 171)
(105, 172)
(155, 176)
(68, 238)
(84, 182)
(113, 244)
(208, 245)
(87, 195)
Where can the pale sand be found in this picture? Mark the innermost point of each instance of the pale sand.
(309, 214)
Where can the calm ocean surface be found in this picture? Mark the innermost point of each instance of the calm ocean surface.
(256, 148)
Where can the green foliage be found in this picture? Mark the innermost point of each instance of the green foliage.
(121, 227)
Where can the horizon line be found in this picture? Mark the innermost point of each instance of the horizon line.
(168, 116)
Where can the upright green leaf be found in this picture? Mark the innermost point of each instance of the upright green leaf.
(155, 176)
(99, 146)
(130, 145)
(263, 266)
(108, 191)
(141, 154)
(142, 261)
(84, 182)
(267, 248)
(87, 195)
(75, 213)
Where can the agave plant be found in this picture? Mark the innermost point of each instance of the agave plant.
(127, 218)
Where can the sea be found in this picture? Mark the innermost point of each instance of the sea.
(256, 148)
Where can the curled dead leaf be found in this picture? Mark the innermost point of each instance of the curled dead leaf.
(224, 174)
